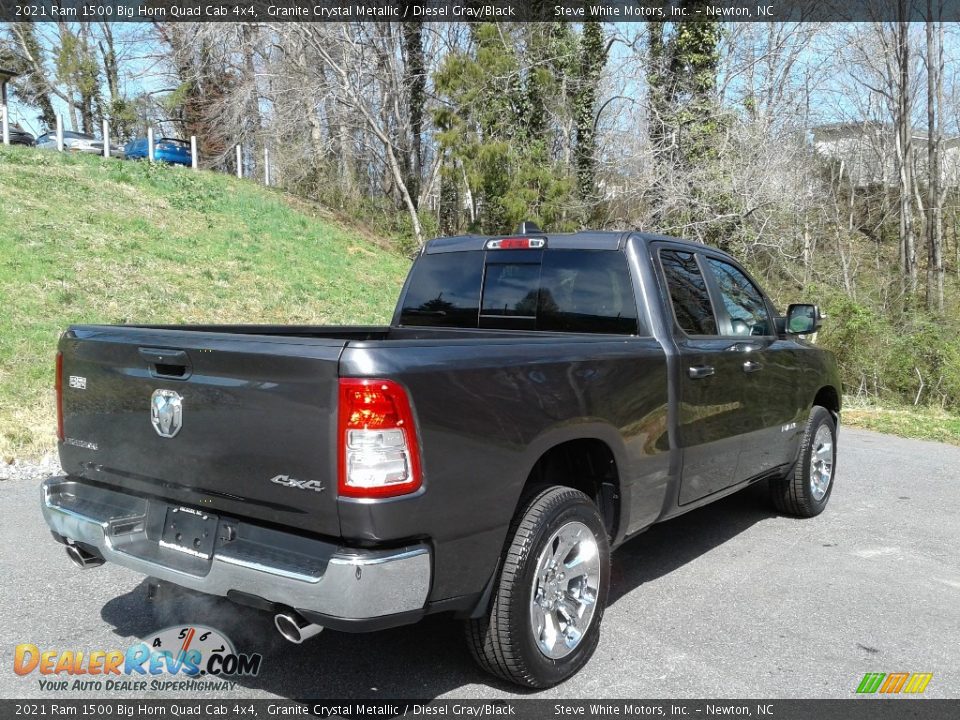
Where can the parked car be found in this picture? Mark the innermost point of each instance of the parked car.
(168, 150)
(19, 136)
(537, 400)
(77, 142)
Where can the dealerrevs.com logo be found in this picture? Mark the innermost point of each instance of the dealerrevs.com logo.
(192, 658)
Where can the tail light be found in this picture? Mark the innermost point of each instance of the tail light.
(58, 383)
(378, 451)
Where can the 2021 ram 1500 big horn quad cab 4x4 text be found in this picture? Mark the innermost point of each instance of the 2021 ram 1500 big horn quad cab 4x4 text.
(536, 401)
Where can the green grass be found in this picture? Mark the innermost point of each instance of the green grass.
(87, 240)
(911, 422)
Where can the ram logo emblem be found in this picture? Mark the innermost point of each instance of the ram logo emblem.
(166, 412)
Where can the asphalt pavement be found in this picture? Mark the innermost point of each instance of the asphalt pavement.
(729, 601)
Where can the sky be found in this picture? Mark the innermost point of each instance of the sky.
(828, 94)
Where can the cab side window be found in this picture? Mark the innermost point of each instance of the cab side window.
(741, 299)
(688, 293)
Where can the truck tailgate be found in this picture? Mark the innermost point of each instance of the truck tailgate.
(255, 412)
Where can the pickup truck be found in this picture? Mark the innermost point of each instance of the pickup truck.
(538, 400)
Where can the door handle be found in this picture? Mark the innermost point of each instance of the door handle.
(700, 371)
(751, 366)
(167, 363)
(162, 356)
(743, 347)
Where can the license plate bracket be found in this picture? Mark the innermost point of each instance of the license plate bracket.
(189, 531)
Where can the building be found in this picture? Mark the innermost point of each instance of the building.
(868, 152)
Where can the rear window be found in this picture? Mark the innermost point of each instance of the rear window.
(444, 291)
(584, 291)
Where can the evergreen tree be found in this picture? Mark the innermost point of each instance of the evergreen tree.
(495, 122)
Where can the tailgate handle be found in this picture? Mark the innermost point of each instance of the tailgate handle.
(167, 363)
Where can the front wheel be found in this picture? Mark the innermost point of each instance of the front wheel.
(544, 621)
(805, 489)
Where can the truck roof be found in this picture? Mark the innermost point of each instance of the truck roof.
(583, 240)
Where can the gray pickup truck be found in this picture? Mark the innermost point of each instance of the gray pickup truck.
(538, 400)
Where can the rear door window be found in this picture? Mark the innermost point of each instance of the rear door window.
(688, 293)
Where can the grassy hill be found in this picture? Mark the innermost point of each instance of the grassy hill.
(89, 240)
(84, 239)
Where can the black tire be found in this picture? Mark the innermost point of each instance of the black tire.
(794, 494)
(503, 641)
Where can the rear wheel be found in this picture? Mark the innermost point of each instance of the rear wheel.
(544, 621)
(805, 489)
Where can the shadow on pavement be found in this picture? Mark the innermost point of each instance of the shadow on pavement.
(424, 660)
(672, 544)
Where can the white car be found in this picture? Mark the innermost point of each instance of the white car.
(77, 142)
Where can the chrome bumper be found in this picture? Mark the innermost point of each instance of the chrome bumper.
(280, 567)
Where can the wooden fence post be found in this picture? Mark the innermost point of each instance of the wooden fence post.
(266, 166)
(106, 138)
(193, 151)
(239, 162)
(151, 149)
(59, 132)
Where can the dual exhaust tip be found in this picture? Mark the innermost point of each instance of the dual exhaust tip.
(289, 623)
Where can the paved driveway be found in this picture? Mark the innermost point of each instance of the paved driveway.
(727, 601)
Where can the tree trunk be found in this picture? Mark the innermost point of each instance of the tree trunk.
(934, 150)
(416, 80)
(593, 56)
(252, 111)
(88, 83)
(110, 66)
(908, 259)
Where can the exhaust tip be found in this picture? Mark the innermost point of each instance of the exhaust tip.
(84, 559)
(294, 627)
(287, 627)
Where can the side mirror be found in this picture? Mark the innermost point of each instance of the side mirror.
(803, 319)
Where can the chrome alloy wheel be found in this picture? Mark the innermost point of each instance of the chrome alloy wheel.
(565, 589)
(821, 462)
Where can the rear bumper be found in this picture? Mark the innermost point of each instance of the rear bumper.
(281, 568)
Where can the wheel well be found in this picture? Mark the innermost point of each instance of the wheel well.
(828, 397)
(587, 465)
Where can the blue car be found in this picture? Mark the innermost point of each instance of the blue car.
(168, 150)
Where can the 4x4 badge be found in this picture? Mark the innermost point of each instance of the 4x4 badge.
(290, 482)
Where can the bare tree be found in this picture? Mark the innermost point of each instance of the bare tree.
(365, 67)
(935, 193)
(904, 128)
